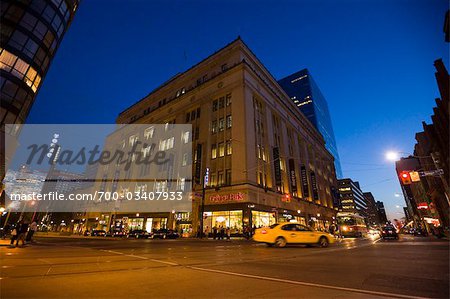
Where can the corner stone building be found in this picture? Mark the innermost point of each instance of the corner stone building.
(267, 162)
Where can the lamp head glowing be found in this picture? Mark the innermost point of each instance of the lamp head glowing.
(392, 156)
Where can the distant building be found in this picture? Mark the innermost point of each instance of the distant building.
(381, 212)
(352, 198)
(307, 97)
(372, 211)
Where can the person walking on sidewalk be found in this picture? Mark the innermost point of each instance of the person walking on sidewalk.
(222, 233)
(214, 232)
(33, 229)
(228, 232)
(14, 233)
(21, 233)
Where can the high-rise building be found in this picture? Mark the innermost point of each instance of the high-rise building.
(31, 31)
(352, 198)
(307, 97)
(266, 161)
(372, 212)
(381, 212)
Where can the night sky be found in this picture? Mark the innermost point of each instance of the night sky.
(373, 61)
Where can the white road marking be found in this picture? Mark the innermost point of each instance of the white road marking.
(309, 284)
(142, 257)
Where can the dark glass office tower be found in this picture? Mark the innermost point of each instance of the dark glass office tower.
(307, 96)
(31, 31)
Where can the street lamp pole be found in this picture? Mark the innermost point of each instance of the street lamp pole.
(202, 204)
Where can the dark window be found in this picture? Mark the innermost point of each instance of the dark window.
(197, 132)
(192, 114)
(38, 6)
(198, 112)
(14, 13)
(214, 107)
(40, 30)
(28, 21)
(224, 67)
(221, 102)
(48, 14)
(10, 88)
(228, 177)
(18, 40)
(188, 117)
(30, 48)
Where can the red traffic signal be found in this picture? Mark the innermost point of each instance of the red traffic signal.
(405, 177)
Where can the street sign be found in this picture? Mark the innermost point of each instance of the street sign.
(431, 172)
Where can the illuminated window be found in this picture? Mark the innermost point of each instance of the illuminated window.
(214, 126)
(221, 149)
(185, 137)
(213, 151)
(221, 124)
(132, 140)
(228, 121)
(229, 149)
(148, 133)
(228, 99)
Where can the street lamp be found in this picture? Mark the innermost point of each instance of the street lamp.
(392, 156)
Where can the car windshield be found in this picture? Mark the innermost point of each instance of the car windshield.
(273, 226)
(346, 220)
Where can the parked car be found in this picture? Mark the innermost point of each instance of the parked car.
(165, 234)
(389, 232)
(420, 232)
(291, 233)
(139, 234)
(98, 233)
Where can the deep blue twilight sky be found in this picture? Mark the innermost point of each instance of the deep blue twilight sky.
(373, 61)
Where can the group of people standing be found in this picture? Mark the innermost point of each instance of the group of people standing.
(22, 233)
(219, 233)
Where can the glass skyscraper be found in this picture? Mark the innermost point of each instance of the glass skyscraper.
(306, 95)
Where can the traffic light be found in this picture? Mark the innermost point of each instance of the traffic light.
(405, 177)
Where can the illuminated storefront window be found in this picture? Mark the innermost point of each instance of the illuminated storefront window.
(135, 223)
(262, 219)
(231, 219)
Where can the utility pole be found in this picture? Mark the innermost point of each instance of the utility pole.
(202, 204)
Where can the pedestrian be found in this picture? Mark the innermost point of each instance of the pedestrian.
(21, 233)
(228, 232)
(13, 235)
(207, 232)
(33, 229)
(222, 232)
(214, 232)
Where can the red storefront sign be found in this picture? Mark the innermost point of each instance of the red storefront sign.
(239, 196)
(422, 205)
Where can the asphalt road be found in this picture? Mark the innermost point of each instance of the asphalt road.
(103, 268)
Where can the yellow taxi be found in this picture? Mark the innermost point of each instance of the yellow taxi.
(291, 233)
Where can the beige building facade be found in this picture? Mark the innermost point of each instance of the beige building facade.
(266, 161)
